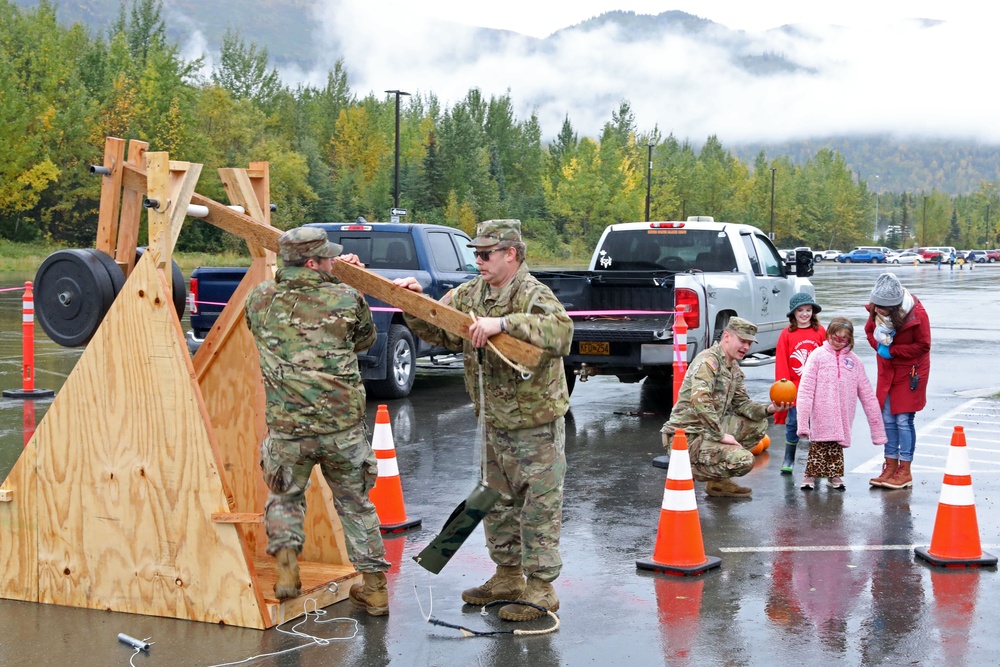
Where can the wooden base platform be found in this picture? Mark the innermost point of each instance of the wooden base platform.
(318, 581)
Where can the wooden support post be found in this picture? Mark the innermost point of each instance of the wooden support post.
(170, 185)
(128, 227)
(111, 185)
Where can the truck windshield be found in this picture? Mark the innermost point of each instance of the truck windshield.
(670, 249)
(381, 250)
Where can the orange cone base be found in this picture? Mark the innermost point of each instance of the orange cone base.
(399, 527)
(985, 560)
(680, 570)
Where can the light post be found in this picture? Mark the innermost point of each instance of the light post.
(923, 235)
(649, 177)
(876, 207)
(773, 170)
(395, 187)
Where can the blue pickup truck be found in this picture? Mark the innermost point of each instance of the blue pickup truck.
(435, 255)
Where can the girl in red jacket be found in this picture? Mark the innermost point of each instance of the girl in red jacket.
(899, 331)
(832, 382)
(803, 335)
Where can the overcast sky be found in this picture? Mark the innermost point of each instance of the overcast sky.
(870, 66)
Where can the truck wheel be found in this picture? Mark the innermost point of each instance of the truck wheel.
(721, 322)
(400, 365)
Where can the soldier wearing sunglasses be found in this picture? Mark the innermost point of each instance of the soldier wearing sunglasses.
(524, 427)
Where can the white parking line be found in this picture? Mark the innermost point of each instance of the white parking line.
(968, 415)
(847, 547)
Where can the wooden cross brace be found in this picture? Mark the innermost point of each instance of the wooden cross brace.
(419, 305)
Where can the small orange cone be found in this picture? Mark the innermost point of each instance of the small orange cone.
(387, 494)
(955, 541)
(679, 546)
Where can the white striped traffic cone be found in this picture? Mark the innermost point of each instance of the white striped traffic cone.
(679, 546)
(955, 541)
(387, 494)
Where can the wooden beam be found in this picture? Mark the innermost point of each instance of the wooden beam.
(128, 225)
(237, 517)
(111, 194)
(434, 312)
(418, 305)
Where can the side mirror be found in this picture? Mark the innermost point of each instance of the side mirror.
(803, 263)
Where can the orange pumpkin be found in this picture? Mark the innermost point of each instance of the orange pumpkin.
(758, 448)
(783, 391)
(766, 440)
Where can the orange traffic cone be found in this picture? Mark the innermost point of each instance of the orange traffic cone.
(679, 546)
(955, 541)
(387, 495)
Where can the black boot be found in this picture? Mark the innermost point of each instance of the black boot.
(789, 462)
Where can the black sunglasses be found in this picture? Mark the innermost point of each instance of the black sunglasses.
(485, 254)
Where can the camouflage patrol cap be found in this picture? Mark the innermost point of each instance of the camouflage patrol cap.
(492, 232)
(743, 328)
(302, 243)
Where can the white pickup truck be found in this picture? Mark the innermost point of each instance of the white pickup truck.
(711, 271)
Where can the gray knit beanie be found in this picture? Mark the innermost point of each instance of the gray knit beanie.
(888, 291)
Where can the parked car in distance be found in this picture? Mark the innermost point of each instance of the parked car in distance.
(907, 257)
(993, 256)
(823, 255)
(931, 253)
(978, 256)
(865, 255)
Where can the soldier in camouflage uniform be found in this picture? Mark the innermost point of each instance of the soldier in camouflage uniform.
(309, 327)
(524, 416)
(722, 424)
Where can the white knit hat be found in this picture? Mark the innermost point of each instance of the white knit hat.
(888, 291)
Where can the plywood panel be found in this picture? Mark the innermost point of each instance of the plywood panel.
(18, 547)
(128, 479)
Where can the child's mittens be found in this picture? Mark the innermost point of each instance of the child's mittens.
(883, 351)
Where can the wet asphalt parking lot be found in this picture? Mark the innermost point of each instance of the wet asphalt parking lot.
(825, 576)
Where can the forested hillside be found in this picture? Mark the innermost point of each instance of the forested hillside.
(64, 88)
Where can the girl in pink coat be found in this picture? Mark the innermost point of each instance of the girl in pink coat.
(832, 382)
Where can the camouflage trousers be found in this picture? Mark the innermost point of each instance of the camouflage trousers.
(527, 466)
(712, 460)
(348, 464)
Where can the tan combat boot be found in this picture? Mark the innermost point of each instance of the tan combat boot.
(727, 488)
(536, 592)
(506, 584)
(901, 478)
(372, 594)
(888, 470)
(288, 584)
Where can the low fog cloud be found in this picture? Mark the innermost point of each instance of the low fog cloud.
(906, 77)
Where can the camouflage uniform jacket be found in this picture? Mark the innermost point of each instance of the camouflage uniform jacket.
(309, 327)
(712, 388)
(534, 315)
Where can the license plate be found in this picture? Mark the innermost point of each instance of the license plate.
(587, 347)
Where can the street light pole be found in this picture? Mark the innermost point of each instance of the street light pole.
(395, 188)
(773, 170)
(923, 239)
(649, 177)
(876, 205)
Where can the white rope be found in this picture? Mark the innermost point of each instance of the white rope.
(295, 632)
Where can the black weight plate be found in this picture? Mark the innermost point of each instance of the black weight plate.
(178, 287)
(73, 292)
(111, 266)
